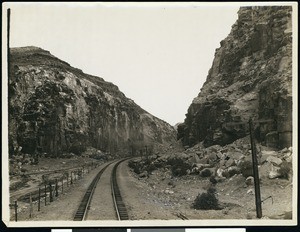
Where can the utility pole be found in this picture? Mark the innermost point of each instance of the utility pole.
(254, 161)
(255, 172)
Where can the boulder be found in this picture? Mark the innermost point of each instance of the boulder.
(222, 163)
(171, 183)
(233, 170)
(274, 173)
(199, 153)
(143, 174)
(284, 150)
(230, 162)
(288, 157)
(213, 157)
(167, 191)
(250, 191)
(182, 155)
(203, 161)
(235, 155)
(207, 172)
(249, 181)
(274, 160)
(269, 153)
(220, 172)
(194, 158)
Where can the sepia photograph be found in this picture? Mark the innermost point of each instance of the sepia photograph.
(149, 114)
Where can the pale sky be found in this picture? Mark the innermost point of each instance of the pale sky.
(159, 56)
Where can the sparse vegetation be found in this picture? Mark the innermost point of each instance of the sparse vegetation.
(135, 166)
(77, 148)
(205, 173)
(178, 166)
(206, 201)
(146, 164)
(284, 170)
(246, 168)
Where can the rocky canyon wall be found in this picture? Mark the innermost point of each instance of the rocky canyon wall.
(251, 77)
(55, 108)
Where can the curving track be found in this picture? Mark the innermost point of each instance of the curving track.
(117, 198)
(84, 204)
(119, 206)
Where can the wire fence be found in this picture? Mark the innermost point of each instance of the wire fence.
(50, 190)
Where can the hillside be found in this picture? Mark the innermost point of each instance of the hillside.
(251, 77)
(55, 108)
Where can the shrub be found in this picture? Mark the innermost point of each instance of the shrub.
(77, 148)
(205, 173)
(178, 166)
(150, 168)
(131, 164)
(246, 168)
(284, 170)
(134, 166)
(136, 170)
(207, 200)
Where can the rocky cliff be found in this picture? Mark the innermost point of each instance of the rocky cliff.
(55, 108)
(251, 77)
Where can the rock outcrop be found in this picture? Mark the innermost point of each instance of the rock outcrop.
(55, 108)
(251, 77)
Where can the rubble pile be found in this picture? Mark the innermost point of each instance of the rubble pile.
(220, 162)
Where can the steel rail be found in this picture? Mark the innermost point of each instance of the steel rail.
(85, 202)
(120, 207)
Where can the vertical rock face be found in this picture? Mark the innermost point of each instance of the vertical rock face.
(251, 77)
(55, 108)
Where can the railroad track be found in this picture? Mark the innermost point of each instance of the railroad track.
(119, 205)
(84, 204)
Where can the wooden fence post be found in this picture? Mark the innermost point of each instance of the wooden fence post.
(255, 172)
(30, 206)
(62, 186)
(56, 188)
(50, 190)
(39, 202)
(45, 195)
(16, 211)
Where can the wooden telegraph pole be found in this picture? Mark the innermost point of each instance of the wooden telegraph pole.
(255, 172)
(254, 162)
